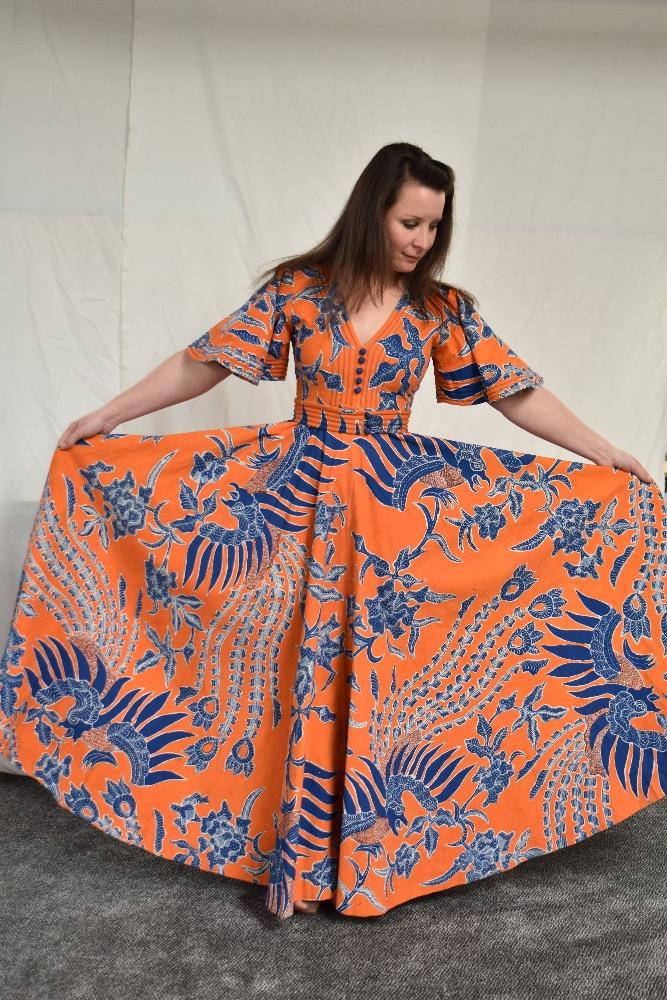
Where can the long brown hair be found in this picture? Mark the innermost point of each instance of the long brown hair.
(355, 252)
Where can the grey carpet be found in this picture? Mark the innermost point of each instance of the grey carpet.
(86, 916)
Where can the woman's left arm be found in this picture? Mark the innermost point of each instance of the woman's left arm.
(539, 412)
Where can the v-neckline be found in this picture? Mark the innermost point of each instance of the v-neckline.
(400, 304)
(367, 343)
(349, 326)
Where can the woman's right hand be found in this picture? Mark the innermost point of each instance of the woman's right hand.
(96, 422)
(178, 378)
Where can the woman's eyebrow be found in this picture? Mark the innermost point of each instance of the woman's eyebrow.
(439, 218)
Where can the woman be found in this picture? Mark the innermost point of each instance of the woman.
(328, 655)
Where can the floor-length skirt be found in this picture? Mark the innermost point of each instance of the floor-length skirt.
(357, 668)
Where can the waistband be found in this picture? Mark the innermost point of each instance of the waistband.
(348, 420)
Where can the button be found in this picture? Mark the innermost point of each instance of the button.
(358, 381)
(361, 360)
(358, 371)
(357, 389)
(362, 350)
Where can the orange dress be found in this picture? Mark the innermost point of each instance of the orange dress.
(330, 656)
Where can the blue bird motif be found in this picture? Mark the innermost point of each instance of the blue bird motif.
(240, 546)
(374, 802)
(612, 693)
(108, 722)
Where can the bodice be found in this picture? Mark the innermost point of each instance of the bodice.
(363, 388)
(358, 387)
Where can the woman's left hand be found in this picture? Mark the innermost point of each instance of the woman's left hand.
(619, 459)
(540, 412)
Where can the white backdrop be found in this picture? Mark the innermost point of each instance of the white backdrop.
(156, 155)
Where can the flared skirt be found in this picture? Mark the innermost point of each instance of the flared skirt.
(357, 668)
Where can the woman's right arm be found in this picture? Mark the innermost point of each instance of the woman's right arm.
(176, 379)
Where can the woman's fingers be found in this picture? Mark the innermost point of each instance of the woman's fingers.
(84, 427)
(643, 473)
(67, 437)
(623, 460)
(635, 468)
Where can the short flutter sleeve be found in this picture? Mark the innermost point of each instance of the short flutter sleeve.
(253, 341)
(471, 363)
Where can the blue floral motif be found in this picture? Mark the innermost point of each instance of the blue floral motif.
(205, 711)
(407, 857)
(484, 853)
(495, 778)
(548, 605)
(159, 581)
(82, 804)
(489, 518)
(524, 641)
(635, 617)
(50, 769)
(391, 610)
(241, 758)
(209, 467)
(121, 799)
(126, 510)
(323, 874)
(576, 521)
(227, 839)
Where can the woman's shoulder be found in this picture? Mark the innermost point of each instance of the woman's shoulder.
(293, 280)
(457, 303)
(448, 293)
(447, 301)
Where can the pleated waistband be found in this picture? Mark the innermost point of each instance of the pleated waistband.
(348, 420)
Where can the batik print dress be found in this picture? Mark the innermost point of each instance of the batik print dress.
(332, 657)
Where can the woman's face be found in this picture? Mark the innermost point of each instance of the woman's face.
(411, 224)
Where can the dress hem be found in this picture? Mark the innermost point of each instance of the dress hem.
(263, 881)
